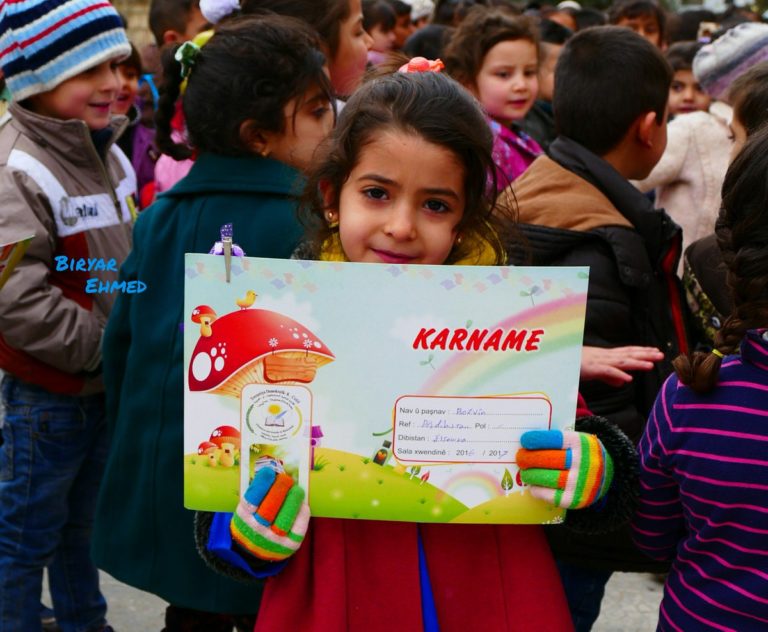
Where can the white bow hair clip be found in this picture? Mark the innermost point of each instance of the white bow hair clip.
(215, 10)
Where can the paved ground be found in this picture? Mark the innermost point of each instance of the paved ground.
(630, 605)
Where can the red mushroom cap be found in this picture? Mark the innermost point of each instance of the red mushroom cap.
(255, 346)
(205, 447)
(202, 310)
(226, 434)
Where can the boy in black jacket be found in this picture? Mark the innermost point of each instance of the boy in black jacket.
(578, 208)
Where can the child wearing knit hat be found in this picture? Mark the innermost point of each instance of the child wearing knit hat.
(689, 176)
(64, 181)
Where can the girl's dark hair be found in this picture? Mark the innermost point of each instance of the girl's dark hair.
(748, 95)
(378, 12)
(680, 55)
(133, 60)
(431, 106)
(325, 16)
(480, 31)
(248, 71)
(742, 234)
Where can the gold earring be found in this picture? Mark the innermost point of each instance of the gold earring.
(458, 240)
(332, 219)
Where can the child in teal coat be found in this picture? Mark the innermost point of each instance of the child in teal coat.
(252, 138)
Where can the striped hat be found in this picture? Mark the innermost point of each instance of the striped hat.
(46, 42)
(718, 64)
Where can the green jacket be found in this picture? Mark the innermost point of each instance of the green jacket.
(143, 535)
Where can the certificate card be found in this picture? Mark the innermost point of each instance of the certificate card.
(10, 255)
(390, 392)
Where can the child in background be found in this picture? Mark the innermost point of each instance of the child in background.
(379, 21)
(690, 174)
(644, 17)
(137, 141)
(421, 12)
(704, 273)
(403, 24)
(539, 123)
(173, 22)
(252, 138)
(685, 94)
(495, 55)
(703, 454)
(64, 181)
(404, 180)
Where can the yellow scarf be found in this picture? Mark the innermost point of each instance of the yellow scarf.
(483, 255)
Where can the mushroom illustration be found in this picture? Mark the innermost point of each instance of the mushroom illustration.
(424, 478)
(255, 346)
(206, 447)
(204, 316)
(225, 434)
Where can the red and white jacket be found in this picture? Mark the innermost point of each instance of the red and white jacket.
(55, 186)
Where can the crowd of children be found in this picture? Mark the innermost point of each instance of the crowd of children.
(537, 134)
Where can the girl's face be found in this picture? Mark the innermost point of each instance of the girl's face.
(402, 202)
(306, 126)
(349, 62)
(686, 95)
(383, 41)
(507, 83)
(128, 81)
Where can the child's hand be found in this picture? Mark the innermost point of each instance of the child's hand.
(271, 517)
(611, 365)
(568, 469)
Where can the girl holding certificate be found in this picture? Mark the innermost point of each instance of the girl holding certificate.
(404, 180)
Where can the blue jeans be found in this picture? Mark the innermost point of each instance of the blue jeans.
(52, 457)
(584, 589)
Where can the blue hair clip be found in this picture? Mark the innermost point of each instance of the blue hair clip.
(149, 80)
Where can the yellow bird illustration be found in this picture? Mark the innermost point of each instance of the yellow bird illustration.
(245, 303)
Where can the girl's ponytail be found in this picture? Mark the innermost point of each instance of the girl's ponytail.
(742, 234)
(170, 91)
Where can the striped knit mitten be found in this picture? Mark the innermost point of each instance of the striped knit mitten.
(271, 517)
(571, 470)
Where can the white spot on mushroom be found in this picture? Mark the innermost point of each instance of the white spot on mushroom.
(201, 366)
(213, 352)
(317, 345)
(303, 335)
(218, 364)
(296, 335)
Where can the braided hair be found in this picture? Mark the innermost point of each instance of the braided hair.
(742, 235)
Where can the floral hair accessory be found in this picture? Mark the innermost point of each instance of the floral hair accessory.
(186, 55)
(422, 64)
(216, 10)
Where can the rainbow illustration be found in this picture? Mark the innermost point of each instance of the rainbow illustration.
(472, 481)
(467, 372)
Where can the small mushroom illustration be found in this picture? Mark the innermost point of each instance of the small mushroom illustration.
(225, 434)
(424, 478)
(255, 346)
(204, 316)
(206, 447)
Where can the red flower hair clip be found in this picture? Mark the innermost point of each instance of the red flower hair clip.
(422, 64)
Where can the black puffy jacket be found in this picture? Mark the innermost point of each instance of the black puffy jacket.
(576, 210)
